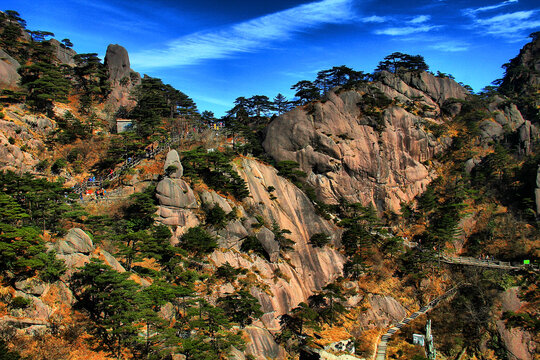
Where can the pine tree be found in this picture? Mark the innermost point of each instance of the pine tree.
(45, 84)
(112, 303)
(241, 307)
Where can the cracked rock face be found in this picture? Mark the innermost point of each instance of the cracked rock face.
(346, 156)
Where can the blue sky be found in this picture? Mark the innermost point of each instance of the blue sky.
(216, 51)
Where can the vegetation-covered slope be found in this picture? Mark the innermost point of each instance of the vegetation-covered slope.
(171, 239)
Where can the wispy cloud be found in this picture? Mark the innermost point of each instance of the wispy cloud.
(474, 11)
(246, 37)
(420, 19)
(375, 19)
(406, 30)
(509, 25)
(450, 46)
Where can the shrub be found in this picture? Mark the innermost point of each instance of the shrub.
(216, 216)
(73, 155)
(53, 267)
(58, 166)
(42, 165)
(319, 239)
(251, 243)
(19, 302)
(11, 140)
(198, 241)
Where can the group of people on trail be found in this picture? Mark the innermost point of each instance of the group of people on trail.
(485, 257)
(98, 194)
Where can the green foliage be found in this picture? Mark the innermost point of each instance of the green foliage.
(140, 211)
(19, 302)
(111, 301)
(328, 303)
(198, 241)
(289, 170)
(53, 268)
(70, 129)
(58, 165)
(251, 243)
(285, 244)
(45, 202)
(91, 79)
(306, 91)
(156, 100)
(241, 307)
(215, 170)
(228, 273)
(399, 62)
(216, 216)
(319, 239)
(20, 245)
(45, 83)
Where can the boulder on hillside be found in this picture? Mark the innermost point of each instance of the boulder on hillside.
(75, 241)
(176, 193)
(173, 162)
(211, 199)
(31, 286)
(9, 77)
(174, 216)
(384, 311)
(262, 345)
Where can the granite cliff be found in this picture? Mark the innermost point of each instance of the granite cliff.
(368, 145)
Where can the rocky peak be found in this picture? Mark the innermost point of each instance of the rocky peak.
(522, 72)
(117, 62)
(121, 77)
(439, 89)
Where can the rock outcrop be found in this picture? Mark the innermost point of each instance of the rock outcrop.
(352, 154)
(9, 77)
(518, 342)
(121, 77)
(439, 89)
(62, 53)
(176, 198)
(308, 269)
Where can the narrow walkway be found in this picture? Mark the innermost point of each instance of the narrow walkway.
(383, 343)
(496, 264)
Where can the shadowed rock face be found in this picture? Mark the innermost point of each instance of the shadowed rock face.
(346, 156)
(117, 62)
(9, 77)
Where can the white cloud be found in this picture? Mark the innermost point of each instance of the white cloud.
(245, 37)
(407, 30)
(374, 19)
(509, 25)
(420, 19)
(473, 12)
(450, 46)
